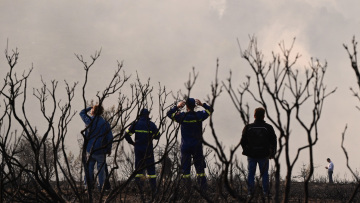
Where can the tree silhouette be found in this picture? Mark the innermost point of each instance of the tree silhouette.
(37, 166)
(352, 53)
(285, 92)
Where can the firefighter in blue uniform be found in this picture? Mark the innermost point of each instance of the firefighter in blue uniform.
(191, 137)
(145, 131)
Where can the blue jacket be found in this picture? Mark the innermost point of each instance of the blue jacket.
(98, 134)
(145, 131)
(191, 124)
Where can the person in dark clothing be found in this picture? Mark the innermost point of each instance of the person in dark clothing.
(191, 137)
(145, 131)
(166, 169)
(99, 137)
(259, 145)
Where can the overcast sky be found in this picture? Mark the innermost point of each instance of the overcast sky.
(164, 39)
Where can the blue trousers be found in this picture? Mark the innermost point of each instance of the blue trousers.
(330, 173)
(264, 172)
(145, 160)
(197, 154)
(99, 159)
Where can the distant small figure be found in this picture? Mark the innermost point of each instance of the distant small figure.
(259, 145)
(166, 168)
(330, 169)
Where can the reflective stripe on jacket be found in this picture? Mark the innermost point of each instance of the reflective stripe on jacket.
(191, 124)
(145, 131)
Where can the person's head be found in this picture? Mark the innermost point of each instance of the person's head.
(328, 160)
(97, 110)
(190, 104)
(144, 113)
(259, 113)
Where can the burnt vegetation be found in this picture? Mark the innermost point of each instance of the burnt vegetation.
(37, 166)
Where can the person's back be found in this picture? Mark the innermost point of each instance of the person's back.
(191, 128)
(99, 137)
(98, 132)
(258, 142)
(191, 137)
(191, 124)
(145, 131)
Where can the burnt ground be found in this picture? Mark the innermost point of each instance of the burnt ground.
(318, 192)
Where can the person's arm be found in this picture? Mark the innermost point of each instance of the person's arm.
(172, 113)
(128, 134)
(156, 135)
(156, 132)
(273, 144)
(208, 109)
(244, 141)
(84, 116)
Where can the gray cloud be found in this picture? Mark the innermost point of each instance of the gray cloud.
(168, 38)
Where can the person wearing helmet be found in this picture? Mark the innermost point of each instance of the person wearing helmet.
(191, 137)
(145, 131)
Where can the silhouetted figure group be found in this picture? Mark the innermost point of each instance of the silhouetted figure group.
(258, 142)
(99, 139)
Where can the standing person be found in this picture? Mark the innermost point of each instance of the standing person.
(330, 169)
(191, 137)
(99, 137)
(259, 145)
(145, 131)
(166, 168)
